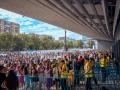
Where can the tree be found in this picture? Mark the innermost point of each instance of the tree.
(79, 44)
(35, 42)
(18, 42)
(91, 43)
(70, 44)
(6, 41)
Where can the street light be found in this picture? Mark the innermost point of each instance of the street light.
(65, 42)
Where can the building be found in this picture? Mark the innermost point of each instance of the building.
(63, 38)
(7, 26)
(84, 38)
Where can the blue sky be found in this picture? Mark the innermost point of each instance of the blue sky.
(29, 25)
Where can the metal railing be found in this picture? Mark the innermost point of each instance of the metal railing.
(71, 81)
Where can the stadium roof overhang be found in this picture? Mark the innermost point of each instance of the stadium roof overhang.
(93, 18)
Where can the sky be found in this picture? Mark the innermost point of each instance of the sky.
(29, 25)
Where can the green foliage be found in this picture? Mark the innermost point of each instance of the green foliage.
(70, 44)
(79, 44)
(19, 42)
(6, 41)
(91, 43)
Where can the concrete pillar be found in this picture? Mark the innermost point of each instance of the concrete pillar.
(116, 47)
(104, 45)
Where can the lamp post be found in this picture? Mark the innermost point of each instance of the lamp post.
(65, 42)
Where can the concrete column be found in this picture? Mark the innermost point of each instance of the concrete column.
(104, 45)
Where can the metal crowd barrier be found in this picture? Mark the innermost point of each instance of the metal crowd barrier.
(70, 82)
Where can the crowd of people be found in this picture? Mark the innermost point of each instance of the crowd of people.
(64, 71)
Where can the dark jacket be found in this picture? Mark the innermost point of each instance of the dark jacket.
(12, 82)
(2, 79)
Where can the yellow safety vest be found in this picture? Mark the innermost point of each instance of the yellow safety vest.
(71, 78)
(103, 63)
(64, 71)
(89, 73)
(108, 61)
(60, 65)
(71, 75)
(56, 74)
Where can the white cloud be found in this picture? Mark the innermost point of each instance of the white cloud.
(26, 23)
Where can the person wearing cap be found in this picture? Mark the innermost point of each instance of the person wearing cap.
(2, 77)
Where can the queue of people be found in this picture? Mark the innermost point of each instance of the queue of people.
(35, 71)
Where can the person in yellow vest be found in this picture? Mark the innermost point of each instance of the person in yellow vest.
(108, 60)
(64, 76)
(103, 66)
(92, 61)
(108, 63)
(89, 73)
(71, 79)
